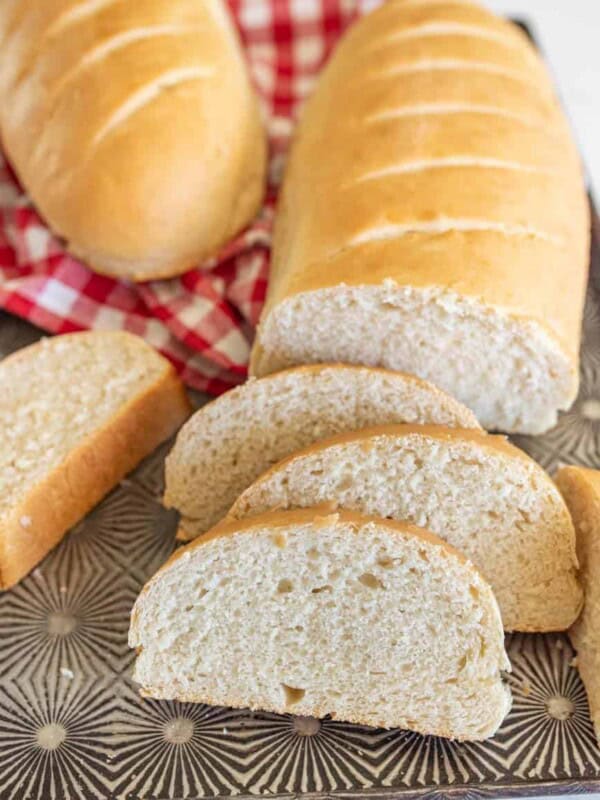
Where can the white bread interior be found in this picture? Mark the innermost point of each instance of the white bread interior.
(231, 441)
(477, 492)
(77, 412)
(446, 231)
(368, 620)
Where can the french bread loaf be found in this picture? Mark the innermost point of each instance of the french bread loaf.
(231, 441)
(476, 491)
(371, 621)
(133, 127)
(581, 489)
(77, 412)
(433, 217)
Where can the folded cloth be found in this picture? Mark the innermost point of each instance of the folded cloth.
(203, 321)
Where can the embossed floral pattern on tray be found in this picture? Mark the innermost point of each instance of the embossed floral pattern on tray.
(72, 724)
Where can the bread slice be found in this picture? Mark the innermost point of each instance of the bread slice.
(231, 441)
(478, 492)
(77, 412)
(581, 489)
(371, 621)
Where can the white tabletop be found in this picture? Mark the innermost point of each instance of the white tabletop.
(568, 32)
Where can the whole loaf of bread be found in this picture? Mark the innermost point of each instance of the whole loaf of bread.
(133, 126)
(434, 218)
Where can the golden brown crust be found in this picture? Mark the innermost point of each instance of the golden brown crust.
(89, 472)
(151, 104)
(275, 520)
(491, 442)
(579, 475)
(530, 267)
(494, 444)
(316, 369)
(304, 516)
(460, 413)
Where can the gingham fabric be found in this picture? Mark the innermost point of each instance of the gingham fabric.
(204, 320)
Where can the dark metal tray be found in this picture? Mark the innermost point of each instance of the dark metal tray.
(72, 724)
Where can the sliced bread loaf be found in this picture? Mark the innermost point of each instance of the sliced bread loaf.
(231, 441)
(476, 491)
(581, 489)
(371, 621)
(77, 412)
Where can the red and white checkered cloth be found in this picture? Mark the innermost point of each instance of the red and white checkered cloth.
(203, 321)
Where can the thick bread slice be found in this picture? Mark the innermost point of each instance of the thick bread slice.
(77, 412)
(231, 441)
(478, 492)
(581, 489)
(371, 621)
(446, 233)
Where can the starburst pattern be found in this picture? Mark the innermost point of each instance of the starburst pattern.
(576, 437)
(74, 620)
(549, 733)
(174, 750)
(151, 472)
(72, 724)
(129, 529)
(590, 335)
(55, 739)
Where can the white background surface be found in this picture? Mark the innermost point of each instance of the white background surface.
(569, 34)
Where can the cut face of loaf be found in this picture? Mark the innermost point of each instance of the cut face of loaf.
(77, 412)
(371, 621)
(477, 492)
(581, 489)
(446, 233)
(231, 441)
(149, 102)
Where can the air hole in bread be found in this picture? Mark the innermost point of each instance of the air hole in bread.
(279, 540)
(202, 593)
(385, 562)
(525, 515)
(474, 591)
(284, 586)
(369, 580)
(313, 553)
(318, 589)
(316, 472)
(292, 694)
(423, 555)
